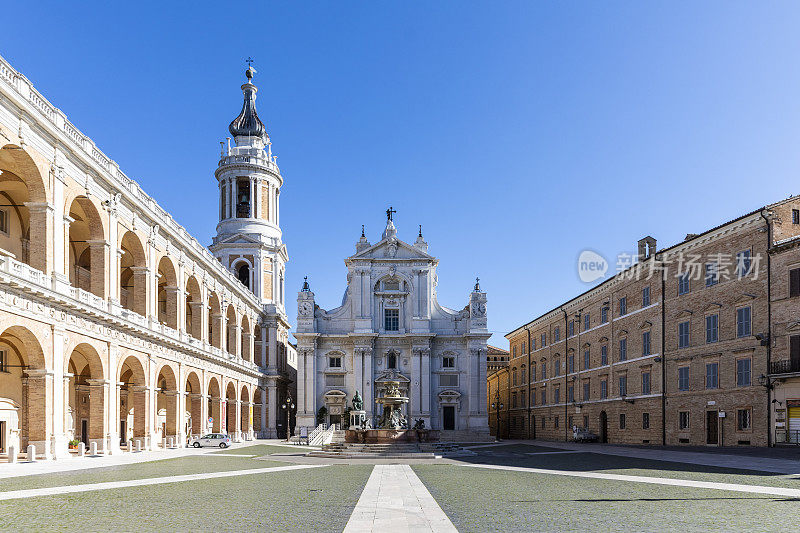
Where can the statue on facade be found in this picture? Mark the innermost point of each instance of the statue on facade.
(358, 403)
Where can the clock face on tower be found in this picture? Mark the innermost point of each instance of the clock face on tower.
(305, 308)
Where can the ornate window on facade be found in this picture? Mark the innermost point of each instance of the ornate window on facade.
(391, 319)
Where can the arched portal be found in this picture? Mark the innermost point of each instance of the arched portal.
(167, 293)
(87, 247)
(133, 274)
(133, 401)
(259, 396)
(214, 405)
(232, 338)
(167, 403)
(88, 394)
(230, 409)
(194, 309)
(23, 415)
(246, 410)
(243, 274)
(193, 405)
(25, 224)
(214, 320)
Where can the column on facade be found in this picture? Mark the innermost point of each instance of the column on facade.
(302, 378)
(425, 385)
(264, 421)
(40, 255)
(369, 384)
(251, 185)
(139, 395)
(152, 280)
(114, 254)
(358, 370)
(181, 295)
(98, 419)
(60, 235)
(113, 405)
(415, 393)
(98, 282)
(237, 340)
(152, 405)
(272, 394)
(272, 346)
(238, 406)
(231, 200)
(60, 399)
(64, 262)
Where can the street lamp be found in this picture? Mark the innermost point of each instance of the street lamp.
(288, 405)
(498, 406)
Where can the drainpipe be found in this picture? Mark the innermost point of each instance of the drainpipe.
(769, 326)
(528, 377)
(663, 356)
(566, 373)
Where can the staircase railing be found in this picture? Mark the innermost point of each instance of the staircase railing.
(316, 437)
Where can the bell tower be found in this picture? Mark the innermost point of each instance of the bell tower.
(248, 240)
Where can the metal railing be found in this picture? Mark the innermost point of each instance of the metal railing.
(787, 436)
(785, 366)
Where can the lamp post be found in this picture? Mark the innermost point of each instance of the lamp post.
(288, 405)
(497, 405)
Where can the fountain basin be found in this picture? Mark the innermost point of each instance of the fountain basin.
(388, 436)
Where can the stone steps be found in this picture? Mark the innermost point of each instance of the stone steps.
(401, 450)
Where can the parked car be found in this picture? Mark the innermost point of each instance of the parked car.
(583, 435)
(213, 439)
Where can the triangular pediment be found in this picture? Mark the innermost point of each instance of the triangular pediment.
(239, 238)
(392, 248)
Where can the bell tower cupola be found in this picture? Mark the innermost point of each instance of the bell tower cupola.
(249, 239)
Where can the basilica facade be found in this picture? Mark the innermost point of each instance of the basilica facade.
(391, 328)
(116, 325)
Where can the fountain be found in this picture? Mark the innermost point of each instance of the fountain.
(392, 425)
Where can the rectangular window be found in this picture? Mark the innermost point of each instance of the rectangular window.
(603, 355)
(571, 328)
(623, 385)
(603, 389)
(557, 395)
(544, 340)
(604, 314)
(570, 364)
(683, 334)
(391, 319)
(556, 334)
(557, 367)
(571, 393)
(743, 373)
(645, 382)
(623, 349)
(712, 274)
(646, 343)
(513, 400)
(513, 351)
(712, 375)
(623, 306)
(743, 322)
(543, 421)
(334, 380)
(335, 362)
(743, 419)
(533, 344)
(555, 422)
(544, 400)
(712, 328)
(4, 221)
(544, 370)
(587, 322)
(683, 378)
(448, 380)
(743, 263)
(645, 420)
(522, 375)
(586, 389)
(795, 216)
(683, 283)
(3, 361)
(523, 347)
(533, 372)
(645, 296)
(587, 360)
(622, 421)
(794, 282)
(450, 362)
(522, 399)
(683, 420)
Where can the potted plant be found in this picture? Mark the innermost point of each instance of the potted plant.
(73, 444)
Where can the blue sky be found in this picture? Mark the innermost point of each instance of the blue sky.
(516, 133)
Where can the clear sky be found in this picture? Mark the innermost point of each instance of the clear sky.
(517, 133)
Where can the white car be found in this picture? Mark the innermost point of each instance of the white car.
(213, 439)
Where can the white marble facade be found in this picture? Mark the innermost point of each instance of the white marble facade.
(390, 327)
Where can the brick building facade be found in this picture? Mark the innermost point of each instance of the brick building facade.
(683, 347)
(497, 390)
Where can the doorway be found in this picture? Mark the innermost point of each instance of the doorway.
(3, 436)
(85, 431)
(123, 434)
(603, 427)
(712, 427)
(335, 419)
(533, 427)
(448, 417)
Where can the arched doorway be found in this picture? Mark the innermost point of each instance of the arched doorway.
(133, 274)
(603, 427)
(243, 274)
(194, 309)
(167, 403)
(23, 418)
(214, 406)
(167, 293)
(24, 219)
(133, 402)
(194, 396)
(86, 255)
(87, 396)
(230, 411)
(246, 416)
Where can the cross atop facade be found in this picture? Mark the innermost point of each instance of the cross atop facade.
(249, 61)
(389, 213)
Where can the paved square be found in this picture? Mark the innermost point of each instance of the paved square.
(515, 486)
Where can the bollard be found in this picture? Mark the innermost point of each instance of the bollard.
(130, 446)
(32, 453)
(164, 443)
(93, 448)
(138, 445)
(81, 449)
(12, 454)
(171, 442)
